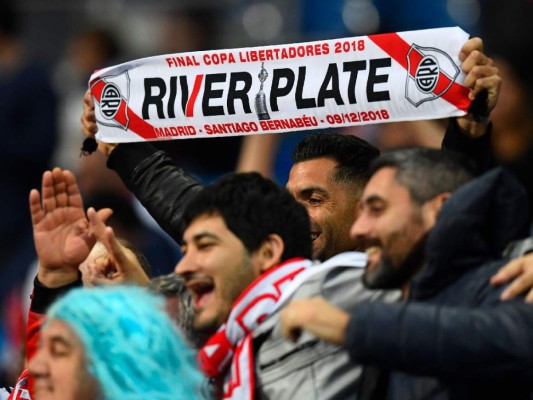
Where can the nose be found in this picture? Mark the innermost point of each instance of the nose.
(361, 227)
(186, 265)
(37, 365)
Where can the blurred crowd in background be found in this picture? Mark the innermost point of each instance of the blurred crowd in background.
(49, 48)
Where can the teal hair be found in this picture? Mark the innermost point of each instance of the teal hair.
(131, 346)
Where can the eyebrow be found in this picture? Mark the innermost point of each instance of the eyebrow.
(202, 235)
(372, 199)
(61, 341)
(312, 189)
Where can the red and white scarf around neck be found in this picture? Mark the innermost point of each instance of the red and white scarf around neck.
(233, 341)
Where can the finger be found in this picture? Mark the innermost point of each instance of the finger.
(480, 71)
(471, 45)
(492, 85)
(96, 225)
(47, 190)
(60, 187)
(89, 117)
(114, 248)
(89, 129)
(88, 124)
(288, 326)
(518, 286)
(529, 297)
(106, 235)
(88, 101)
(36, 211)
(508, 272)
(476, 58)
(73, 190)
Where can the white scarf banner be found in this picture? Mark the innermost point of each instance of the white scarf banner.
(325, 84)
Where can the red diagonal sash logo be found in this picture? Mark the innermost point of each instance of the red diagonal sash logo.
(398, 49)
(136, 124)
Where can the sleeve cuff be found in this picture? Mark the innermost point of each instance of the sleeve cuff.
(456, 137)
(43, 297)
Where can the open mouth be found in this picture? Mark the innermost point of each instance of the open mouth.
(201, 291)
(374, 256)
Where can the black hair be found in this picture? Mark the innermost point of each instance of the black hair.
(425, 172)
(352, 154)
(254, 207)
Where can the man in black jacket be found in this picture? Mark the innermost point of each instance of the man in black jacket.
(453, 339)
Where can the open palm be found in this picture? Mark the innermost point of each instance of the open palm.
(60, 228)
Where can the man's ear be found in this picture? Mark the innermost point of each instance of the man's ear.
(269, 253)
(432, 208)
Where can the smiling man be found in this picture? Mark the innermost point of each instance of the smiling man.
(328, 176)
(453, 338)
(399, 207)
(246, 250)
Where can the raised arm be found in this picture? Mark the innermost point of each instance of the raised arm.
(470, 135)
(481, 76)
(60, 228)
(150, 174)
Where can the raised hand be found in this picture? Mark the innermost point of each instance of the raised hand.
(60, 228)
(88, 124)
(119, 265)
(481, 74)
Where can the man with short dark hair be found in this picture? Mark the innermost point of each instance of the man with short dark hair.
(245, 252)
(328, 176)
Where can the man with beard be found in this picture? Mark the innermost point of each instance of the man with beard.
(453, 338)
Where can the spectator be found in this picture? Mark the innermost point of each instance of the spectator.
(112, 343)
(244, 247)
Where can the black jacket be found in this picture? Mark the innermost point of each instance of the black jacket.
(161, 187)
(454, 327)
(164, 189)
